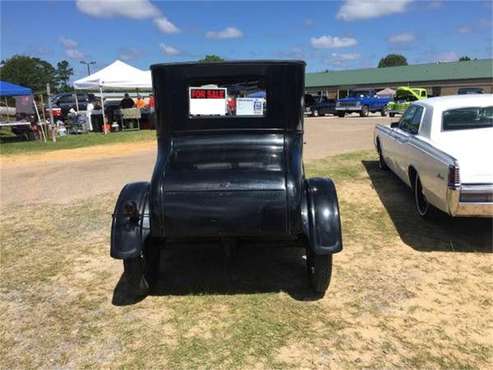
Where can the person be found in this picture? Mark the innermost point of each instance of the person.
(140, 102)
(89, 109)
(151, 104)
(127, 102)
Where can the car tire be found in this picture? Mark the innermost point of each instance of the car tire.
(391, 114)
(381, 160)
(315, 113)
(319, 269)
(141, 272)
(341, 114)
(365, 111)
(423, 207)
(384, 112)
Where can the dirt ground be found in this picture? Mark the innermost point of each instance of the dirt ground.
(405, 293)
(65, 175)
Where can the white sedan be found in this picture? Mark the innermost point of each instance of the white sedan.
(442, 148)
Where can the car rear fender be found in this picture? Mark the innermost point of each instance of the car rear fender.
(322, 223)
(131, 222)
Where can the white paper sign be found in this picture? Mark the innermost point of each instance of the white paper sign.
(249, 106)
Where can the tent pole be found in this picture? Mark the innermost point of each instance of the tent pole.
(43, 127)
(39, 120)
(52, 123)
(102, 107)
(7, 106)
(76, 102)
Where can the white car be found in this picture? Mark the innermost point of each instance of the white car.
(442, 148)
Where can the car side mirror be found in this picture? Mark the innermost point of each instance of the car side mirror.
(394, 125)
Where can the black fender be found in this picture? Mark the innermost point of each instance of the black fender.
(321, 219)
(130, 227)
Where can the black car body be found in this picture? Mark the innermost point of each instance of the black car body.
(228, 175)
(319, 105)
(67, 101)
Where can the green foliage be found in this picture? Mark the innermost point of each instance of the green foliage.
(211, 58)
(392, 60)
(63, 73)
(465, 58)
(29, 72)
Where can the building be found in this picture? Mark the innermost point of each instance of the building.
(437, 78)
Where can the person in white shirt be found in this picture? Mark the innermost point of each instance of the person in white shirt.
(89, 109)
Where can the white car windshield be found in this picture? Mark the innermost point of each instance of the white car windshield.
(467, 118)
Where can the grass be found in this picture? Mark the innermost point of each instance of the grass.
(394, 300)
(9, 147)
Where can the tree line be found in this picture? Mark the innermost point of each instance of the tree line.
(35, 73)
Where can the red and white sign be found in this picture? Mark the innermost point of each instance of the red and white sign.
(207, 101)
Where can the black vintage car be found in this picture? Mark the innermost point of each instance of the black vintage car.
(229, 169)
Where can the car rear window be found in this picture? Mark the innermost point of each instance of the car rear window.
(467, 118)
(244, 98)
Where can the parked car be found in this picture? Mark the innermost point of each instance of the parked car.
(403, 98)
(319, 105)
(442, 149)
(470, 90)
(362, 102)
(231, 178)
(67, 101)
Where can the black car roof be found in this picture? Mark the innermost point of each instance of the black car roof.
(284, 81)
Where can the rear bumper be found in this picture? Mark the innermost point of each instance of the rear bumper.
(471, 201)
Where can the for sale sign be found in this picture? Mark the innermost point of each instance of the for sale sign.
(207, 101)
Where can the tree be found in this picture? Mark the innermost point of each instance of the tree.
(392, 60)
(211, 58)
(464, 59)
(27, 71)
(63, 74)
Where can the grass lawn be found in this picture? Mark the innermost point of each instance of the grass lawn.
(7, 147)
(405, 293)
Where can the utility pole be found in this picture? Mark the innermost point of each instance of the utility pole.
(88, 64)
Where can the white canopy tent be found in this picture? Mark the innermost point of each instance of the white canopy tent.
(386, 92)
(116, 76)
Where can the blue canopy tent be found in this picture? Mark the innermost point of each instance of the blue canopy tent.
(8, 89)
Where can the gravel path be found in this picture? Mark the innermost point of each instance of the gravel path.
(76, 174)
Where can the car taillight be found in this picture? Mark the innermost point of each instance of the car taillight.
(453, 177)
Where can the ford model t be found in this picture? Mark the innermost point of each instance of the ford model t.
(229, 169)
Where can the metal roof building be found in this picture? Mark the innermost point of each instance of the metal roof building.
(438, 78)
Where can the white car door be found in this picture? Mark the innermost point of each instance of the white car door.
(403, 134)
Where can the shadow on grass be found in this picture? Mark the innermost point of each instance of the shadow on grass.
(441, 233)
(9, 137)
(196, 269)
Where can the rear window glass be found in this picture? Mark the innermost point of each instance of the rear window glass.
(227, 99)
(467, 118)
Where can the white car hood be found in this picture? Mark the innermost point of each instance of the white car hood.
(474, 151)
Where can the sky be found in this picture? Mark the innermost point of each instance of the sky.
(328, 35)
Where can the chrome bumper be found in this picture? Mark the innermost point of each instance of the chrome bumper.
(471, 201)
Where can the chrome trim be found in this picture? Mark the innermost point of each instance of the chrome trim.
(468, 209)
(476, 188)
